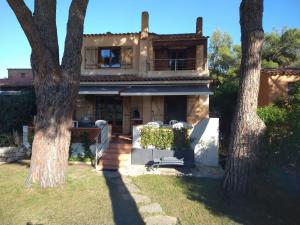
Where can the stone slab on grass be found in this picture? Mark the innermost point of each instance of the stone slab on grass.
(151, 208)
(137, 198)
(161, 220)
(141, 198)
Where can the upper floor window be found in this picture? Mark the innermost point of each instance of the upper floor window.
(108, 57)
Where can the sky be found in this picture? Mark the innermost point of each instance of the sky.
(166, 16)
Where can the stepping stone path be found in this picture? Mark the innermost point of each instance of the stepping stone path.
(151, 208)
(151, 212)
(161, 220)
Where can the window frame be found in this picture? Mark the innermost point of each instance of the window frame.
(125, 65)
(94, 65)
(100, 58)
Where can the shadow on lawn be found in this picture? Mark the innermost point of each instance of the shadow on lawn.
(124, 207)
(267, 205)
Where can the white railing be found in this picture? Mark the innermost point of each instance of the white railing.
(102, 140)
(173, 64)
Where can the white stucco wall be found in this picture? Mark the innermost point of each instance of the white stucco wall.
(205, 142)
(136, 136)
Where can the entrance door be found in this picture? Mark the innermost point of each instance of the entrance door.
(110, 108)
(175, 108)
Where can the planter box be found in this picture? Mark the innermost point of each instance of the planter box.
(11, 154)
(141, 156)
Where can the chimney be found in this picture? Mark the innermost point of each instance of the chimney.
(145, 25)
(199, 25)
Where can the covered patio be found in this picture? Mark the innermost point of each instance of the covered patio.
(126, 105)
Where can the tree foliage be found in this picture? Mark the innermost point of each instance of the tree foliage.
(224, 56)
(282, 49)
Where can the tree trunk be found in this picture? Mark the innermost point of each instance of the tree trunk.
(247, 128)
(50, 150)
(56, 86)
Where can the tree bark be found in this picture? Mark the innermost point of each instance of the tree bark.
(56, 85)
(247, 128)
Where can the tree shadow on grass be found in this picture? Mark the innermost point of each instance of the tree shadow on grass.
(125, 210)
(267, 205)
(29, 223)
(22, 163)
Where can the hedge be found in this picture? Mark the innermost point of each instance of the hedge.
(165, 138)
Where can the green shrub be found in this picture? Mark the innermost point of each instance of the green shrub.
(222, 104)
(86, 146)
(281, 145)
(273, 115)
(7, 140)
(164, 138)
(16, 111)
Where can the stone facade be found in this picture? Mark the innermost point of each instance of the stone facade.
(143, 52)
(147, 50)
(151, 108)
(85, 105)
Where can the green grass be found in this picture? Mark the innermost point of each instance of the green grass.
(85, 199)
(200, 201)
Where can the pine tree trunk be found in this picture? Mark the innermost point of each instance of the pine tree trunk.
(50, 150)
(56, 85)
(247, 128)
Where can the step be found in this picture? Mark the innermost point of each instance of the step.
(114, 163)
(119, 150)
(115, 156)
(119, 145)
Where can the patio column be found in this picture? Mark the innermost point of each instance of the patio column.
(147, 112)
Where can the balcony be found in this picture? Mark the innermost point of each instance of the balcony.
(177, 67)
(173, 64)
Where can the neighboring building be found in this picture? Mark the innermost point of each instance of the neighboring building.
(133, 78)
(18, 80)
(275, 83)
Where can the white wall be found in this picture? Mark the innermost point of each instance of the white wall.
(205, 142)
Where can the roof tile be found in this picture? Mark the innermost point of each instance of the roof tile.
(281, 71)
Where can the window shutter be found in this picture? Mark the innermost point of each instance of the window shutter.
(91, 57)
(127, 57)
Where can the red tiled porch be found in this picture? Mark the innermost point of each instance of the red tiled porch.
(118, 154)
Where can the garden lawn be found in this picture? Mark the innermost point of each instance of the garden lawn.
(85, 199)
(200, 201)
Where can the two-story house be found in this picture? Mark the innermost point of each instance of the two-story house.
(135, 78)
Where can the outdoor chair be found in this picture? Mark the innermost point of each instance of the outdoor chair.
(172, 122)
(166, 161)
